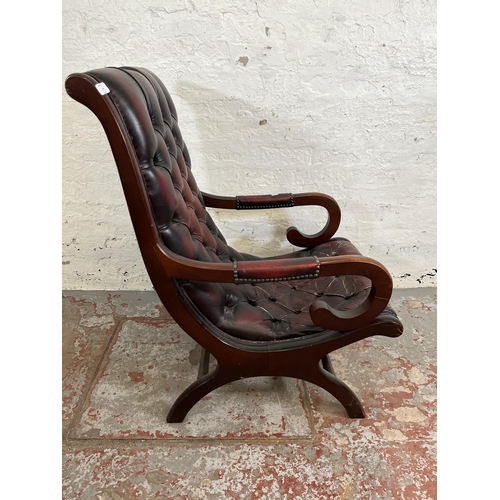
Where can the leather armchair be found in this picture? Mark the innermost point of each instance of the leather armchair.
(274, 316)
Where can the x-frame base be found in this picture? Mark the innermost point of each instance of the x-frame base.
(320, 374)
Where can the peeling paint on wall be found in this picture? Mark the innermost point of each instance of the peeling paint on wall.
(347, 94)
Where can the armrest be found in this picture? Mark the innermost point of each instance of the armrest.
(380, 293)
(293, 235)
(267, 270)
(313, 267)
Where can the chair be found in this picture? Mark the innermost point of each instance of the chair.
(278, 316)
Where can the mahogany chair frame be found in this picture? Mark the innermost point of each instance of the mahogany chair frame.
(305, 357)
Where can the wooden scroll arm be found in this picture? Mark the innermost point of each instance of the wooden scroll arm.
(294, 236)
(267, 270)
(380, 293)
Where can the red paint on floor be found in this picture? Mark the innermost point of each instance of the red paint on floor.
(125, 361)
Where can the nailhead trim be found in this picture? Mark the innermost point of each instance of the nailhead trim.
(257, 206)
(237, 279)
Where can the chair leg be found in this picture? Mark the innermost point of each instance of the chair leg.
(321, 374)
(327, 365)
(339, 390)
(208, 383)
(204, 363)
(197, 391)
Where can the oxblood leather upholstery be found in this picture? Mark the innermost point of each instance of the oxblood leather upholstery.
(279, 310)
(274, 310)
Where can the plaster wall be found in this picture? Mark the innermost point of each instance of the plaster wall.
(307, 95)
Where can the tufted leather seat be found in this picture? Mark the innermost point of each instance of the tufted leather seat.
(279, 310)
(273, 316)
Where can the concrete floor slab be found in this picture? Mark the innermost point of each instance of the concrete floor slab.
(87, 327)
(150, 363)
(125, 361)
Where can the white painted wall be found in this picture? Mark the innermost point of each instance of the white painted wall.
(347, 90)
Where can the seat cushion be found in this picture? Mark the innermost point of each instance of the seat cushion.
(279, 310)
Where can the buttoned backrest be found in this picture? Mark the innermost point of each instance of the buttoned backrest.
(150, 118)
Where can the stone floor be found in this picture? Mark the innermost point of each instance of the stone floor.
(125, 361)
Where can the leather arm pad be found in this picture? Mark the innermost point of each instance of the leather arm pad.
(264, 201)
(255, 271)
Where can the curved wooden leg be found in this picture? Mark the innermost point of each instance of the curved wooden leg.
(195, 392)
(338, 389)
(320, 374)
